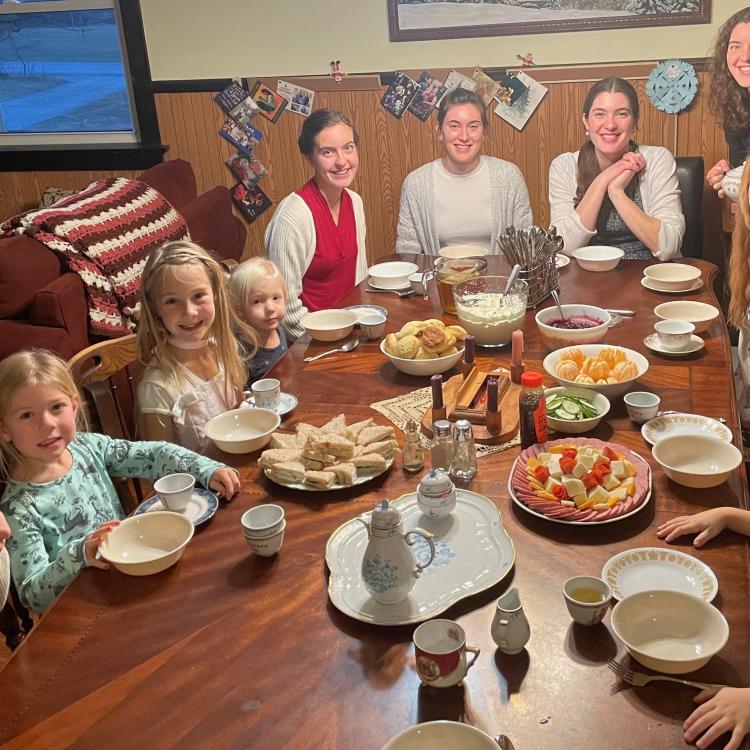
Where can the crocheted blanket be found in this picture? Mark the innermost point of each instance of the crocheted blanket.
(105, 233)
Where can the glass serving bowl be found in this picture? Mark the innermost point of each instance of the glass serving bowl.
(450, 271)
(488, 314)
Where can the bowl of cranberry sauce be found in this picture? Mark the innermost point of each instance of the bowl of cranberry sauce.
(581, 324)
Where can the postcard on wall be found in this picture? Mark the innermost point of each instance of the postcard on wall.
(239, 138)
(430, 91)
(271, 104)
(251, 201)
(400, 94)
(244, 112)
(486, 86)
(247, 169)
(458, 80)
(510, 90)
(231, 96)
(300, 99)
(518, 113)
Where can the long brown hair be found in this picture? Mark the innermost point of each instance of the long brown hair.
(739, 263)
(729, 101)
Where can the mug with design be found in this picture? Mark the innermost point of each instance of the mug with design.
(440, 649)
(266, 393)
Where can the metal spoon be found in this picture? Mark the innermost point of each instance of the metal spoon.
(347, 347)
(556, 298)
(512, 279)
(405, 293)
(504, 742)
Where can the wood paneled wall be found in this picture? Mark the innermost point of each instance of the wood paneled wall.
(391, 148)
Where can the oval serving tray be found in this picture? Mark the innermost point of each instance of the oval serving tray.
(473, 552)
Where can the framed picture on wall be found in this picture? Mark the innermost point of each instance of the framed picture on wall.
(411, 20)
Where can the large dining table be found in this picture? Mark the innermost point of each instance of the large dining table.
(230, 650)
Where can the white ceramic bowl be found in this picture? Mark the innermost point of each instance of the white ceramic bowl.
(610, 390)
(147, 543)
(392, 275)
(700, 314)
(669, 631)
(423, 367)
(696, 460)
(556, 338)
(329, 325)
(242, 430)
(463, 251)
(598, 257)
(579, 426)
(441, 735)
(672, 276)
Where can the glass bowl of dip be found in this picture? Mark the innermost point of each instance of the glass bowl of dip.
(486, 312)
(583, 324)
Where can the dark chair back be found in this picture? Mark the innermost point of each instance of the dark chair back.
(690, 176)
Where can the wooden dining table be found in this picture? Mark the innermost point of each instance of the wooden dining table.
(230, 650)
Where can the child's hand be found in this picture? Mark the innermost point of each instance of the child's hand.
(709, 523)
(727, 710)
(93, 540)
(226, 482)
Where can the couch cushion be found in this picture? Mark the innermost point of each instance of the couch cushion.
(25, 267)
(174, 179)
(213, 225)
(20, 334)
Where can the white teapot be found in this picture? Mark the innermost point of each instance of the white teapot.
(730, 184)
(389, 568)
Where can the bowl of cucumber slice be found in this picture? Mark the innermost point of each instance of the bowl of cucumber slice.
(575, 410)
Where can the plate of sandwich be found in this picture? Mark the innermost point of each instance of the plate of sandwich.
(330, 457)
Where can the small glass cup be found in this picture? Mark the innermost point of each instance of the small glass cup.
(452, 271)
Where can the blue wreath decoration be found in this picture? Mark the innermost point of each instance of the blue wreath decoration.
(672, 86)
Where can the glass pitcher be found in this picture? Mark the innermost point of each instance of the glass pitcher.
(450, 271)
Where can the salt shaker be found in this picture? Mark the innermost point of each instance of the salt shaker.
(413, 458)
(441, 448)
(464, 464)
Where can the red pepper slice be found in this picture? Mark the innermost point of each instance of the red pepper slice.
(570, 452)
(567, 465)
(590, 480)
(541, 473)
(560, 492)
(603, 468)
(610, 454)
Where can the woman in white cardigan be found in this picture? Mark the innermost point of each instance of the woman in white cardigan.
(464, 197)
(613, 192)
(317, 234)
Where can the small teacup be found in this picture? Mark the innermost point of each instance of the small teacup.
(674, 334)
(266, 393)
(641, 405)
(268, 545)
(175, 491)
(587, 599)
(372, 325)
(440, 649)
(419, 282)
(262, 521)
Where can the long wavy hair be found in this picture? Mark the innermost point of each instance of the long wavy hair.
(739, 263)
(152, 335)
(729, 101)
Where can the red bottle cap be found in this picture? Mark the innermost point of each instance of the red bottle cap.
(531, 380)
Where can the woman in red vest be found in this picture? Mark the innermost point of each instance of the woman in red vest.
(317, 234)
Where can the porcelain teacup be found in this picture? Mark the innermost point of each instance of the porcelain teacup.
(587, 599)
(674, 335)
(372, 325)
(262, 521)
(268, 545)
(266, 393)
(440, 649)
(641, 405)
(175, 491)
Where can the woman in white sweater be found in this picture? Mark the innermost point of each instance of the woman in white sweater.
(464, 197)
(613, 192)
(317, 234)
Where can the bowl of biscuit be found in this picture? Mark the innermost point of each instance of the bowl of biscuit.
(424, 347)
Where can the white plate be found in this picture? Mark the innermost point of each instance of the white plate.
(388, 288)
(652, 342)
(287, 403)
(656, 568)
(684, 424)
(561, 260)
(650, 285)
(361, 479)
(361, 310)
(201, 506)
(473, 552)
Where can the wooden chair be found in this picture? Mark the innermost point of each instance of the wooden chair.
(107, 375)
(690, 177)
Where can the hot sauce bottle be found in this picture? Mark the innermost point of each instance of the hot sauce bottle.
(533, 410)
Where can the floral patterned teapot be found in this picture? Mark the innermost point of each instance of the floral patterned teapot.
(389, 568)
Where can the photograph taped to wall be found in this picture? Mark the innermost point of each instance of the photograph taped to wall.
(430, 92)
(240, 138)
(400, 94)
(300, 99)
(247, 169)
(231, 96)
(243, 113)
(486, 86)
(457, 80)
(413, 20)
(250, 201)
(510, 90)
(271, 104)
(523, 107)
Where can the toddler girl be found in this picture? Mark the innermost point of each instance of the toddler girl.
(259, 298)
(194, 367)
(59, 499)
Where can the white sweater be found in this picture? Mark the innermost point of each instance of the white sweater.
(659, 192)
(290, 244)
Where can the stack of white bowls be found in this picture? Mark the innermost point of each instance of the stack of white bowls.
(263, 527)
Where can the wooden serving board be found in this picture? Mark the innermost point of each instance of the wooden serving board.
(508, 411)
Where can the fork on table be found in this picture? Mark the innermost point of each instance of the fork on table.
(638, 679)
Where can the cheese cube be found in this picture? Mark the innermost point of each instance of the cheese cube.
(579, 500)
(544, 458)
(551, 484)
(629, 467)
(568, 503)
(618, 469)
(557, 449)
(585, 450)
(617, 496)
(629, 485)
(587, 461)
(600, 506)
(598, 495)
(573, 486)
(554, 468)
(611, 482)
(579, 470)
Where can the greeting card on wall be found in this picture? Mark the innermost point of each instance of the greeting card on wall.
(522, 107)
(240, 138)
(271, 104)
(486, 86)
(300, 99)
(247, 169)
(251, 201)
(231, 96)
(243, 113)
(457, 80)
(430, 91)
(400, 94)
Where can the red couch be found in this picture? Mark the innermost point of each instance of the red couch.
(44, 306)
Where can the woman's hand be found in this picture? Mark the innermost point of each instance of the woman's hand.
(630, 164)
(226, 482)
(709, 523)
(715, 175)
(727, 710)
(93, 542)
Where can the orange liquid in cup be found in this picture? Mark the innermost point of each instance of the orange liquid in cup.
(450, 272)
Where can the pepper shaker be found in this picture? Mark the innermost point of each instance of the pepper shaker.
(441, 449)
(464, 464)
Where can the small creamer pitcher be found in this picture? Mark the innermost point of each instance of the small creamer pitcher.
(510, 628)
(389, 567)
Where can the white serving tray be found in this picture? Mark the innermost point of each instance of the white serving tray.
(473, 552)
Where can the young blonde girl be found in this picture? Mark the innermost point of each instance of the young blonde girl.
(259, 299)
(194, 366)
(59, 500)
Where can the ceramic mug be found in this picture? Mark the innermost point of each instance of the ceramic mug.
(372, 325)
(267, 546)
(419, 282)
(440, 649)
(175, 491)
(266, 393)
(262, 521)
(674, 334)
(641, 405)
(587, 599)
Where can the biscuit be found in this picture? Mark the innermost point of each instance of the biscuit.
(407, 347)
(434, 338)
(390, 344)
(424, 354)
(457, 331)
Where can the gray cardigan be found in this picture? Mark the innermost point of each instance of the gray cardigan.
(417, 233)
